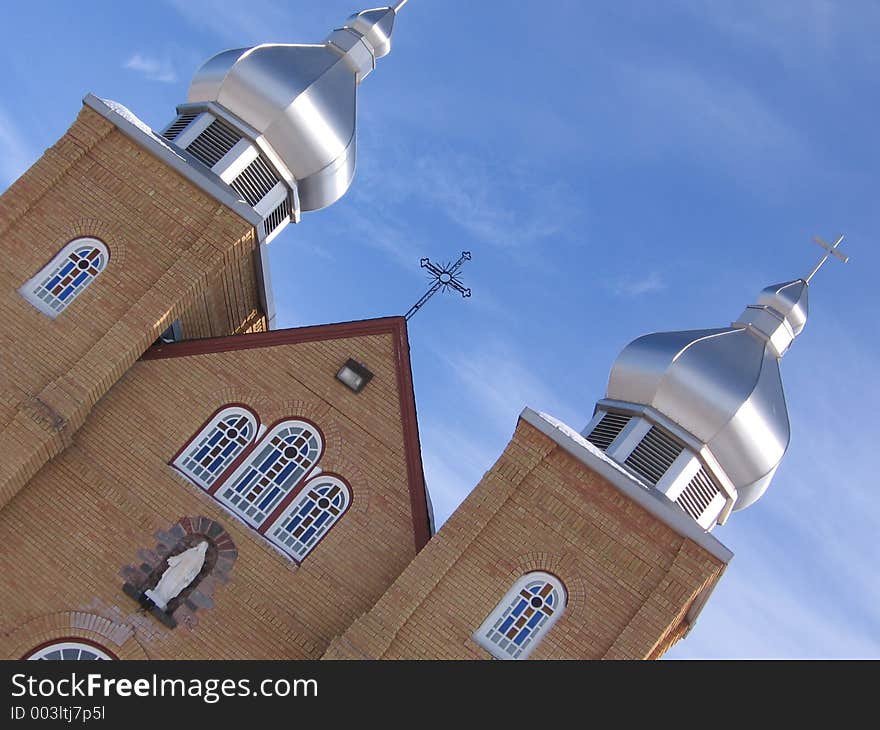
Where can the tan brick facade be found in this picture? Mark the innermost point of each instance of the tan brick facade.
(99, 507)
(630, 579)
(166, 239)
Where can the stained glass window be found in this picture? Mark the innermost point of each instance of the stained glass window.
(217, 445)
(66, 276)
(523, 616)
(281, 459)
(311, 514)
(71, 651)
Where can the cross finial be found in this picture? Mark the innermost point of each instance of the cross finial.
(443, 277)
(831, 249)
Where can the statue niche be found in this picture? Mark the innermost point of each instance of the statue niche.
(174, 578)
(182, 570)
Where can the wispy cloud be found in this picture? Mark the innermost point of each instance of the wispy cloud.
(152, 68)
(498, 384)
(714, 117)
(408, 193)
(15, 152)
(800, 34)
(636, 287)
(257, 21)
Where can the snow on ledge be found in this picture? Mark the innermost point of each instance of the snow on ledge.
(623, 480)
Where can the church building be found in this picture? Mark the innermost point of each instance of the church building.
(180, 479)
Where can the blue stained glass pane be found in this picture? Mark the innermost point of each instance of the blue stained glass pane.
(524, 632)
(267, 500)
(53, 281)
(81, 278)
(66, 293)
(321, 519)
(215, 437)
(273, 457)
(285, 472)
(65, 269)
(508, 622)
(246, 479)
(307, 534)
(201, 453)
(218, 460)
(550, 599)
(520, 607)
(297, 518)
(535, 619)
(230, 447)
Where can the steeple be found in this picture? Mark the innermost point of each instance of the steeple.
(277, 122)
(700, 415)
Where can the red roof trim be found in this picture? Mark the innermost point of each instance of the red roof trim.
(273, 338)
(409, 419)
(395, 326)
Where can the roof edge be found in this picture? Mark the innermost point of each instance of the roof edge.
(273, 338)
(394, 326)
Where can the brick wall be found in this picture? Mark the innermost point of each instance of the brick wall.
(166, 239)
(92, 515)
(630, 579)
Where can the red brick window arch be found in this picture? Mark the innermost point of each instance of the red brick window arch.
(523, 617)
(66, 276)
(214, 449)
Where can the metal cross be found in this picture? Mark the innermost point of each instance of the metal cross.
(444, 277)
(831, 249)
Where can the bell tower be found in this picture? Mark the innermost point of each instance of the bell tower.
(597, 544)
(119, 235)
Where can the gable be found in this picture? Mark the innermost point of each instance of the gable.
(298, 366)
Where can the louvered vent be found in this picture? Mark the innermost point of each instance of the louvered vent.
(697, 495)
(607, 429)
(181, 123)
(210, 146)
(277, 216)
(654, 455)
(255, 181)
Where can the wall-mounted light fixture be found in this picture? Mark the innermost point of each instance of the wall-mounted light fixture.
(355, 375)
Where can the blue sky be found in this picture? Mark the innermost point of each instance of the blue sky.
(615, 169)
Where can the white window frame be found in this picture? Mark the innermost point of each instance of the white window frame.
(299, 550)
(492, 640)
(47, 303)
(195, 444)
(256, 455)
(62, 645)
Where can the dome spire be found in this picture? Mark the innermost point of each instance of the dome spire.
(297, 102)
(700, 416)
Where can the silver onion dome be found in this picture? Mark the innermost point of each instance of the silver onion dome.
(722, 386)
(301, 99)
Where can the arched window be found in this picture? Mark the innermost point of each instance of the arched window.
(317, 507)
(282, 458)
(65, 277)
(217, 445)
(70, 651)
(523, 616)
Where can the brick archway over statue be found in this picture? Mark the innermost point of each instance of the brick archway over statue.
(199, 595)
